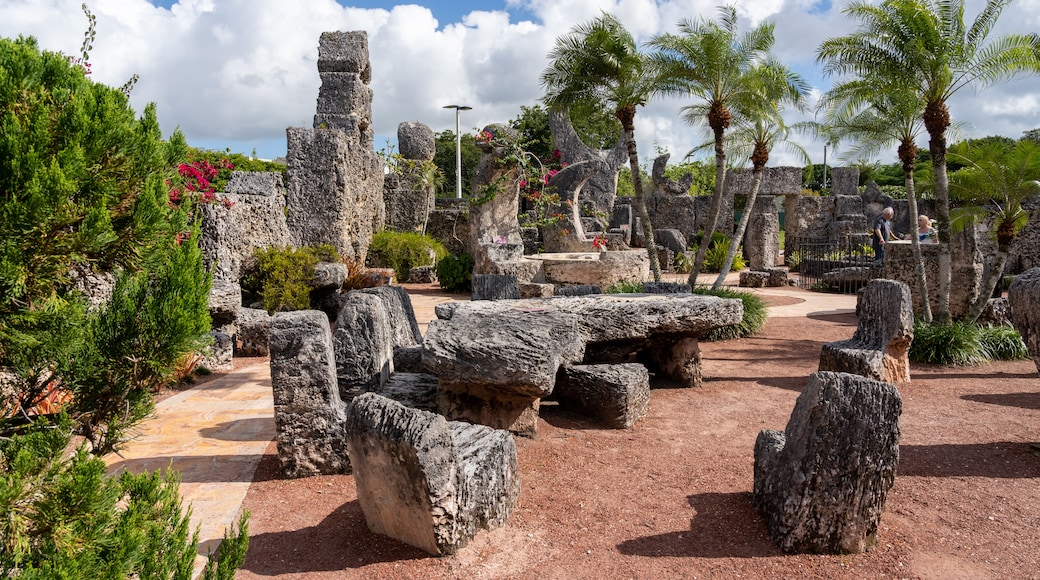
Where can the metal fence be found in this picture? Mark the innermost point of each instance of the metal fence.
(843, 265)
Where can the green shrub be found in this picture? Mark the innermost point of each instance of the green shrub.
(403, 251)
(455, 273)
(715, 257)
(955, 344)
(754, 318)
(625, 287)
(65, 518)
(1003, 343)
(280, 277)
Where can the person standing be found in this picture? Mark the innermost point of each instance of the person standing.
(882, 233)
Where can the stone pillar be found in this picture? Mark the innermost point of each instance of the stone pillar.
(1024, 299)
(845, 181)
(335, 177)
(762, 239)
(408, 191)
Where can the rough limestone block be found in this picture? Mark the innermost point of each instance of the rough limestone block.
(672, 239)
(416, 140)
(578, 290)
(308, 411)
(494, 366)
(403, 324)
(777, 276)
(220, 353)
(254, 328)
(415, 390)
(422, 275)
(821, 484)
(408, 359)
(426, 481)
(363, 342)
(329, 275)
(536, 290)
(1024, 299)
(753, 279)
(879, 349)
(666, 288)
(225, 298)
(495, 287)
(617, 395)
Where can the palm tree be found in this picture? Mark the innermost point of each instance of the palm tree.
(708, 61)
(926, 45)
(760, 126)
(994, 183)
(874, 116)
(599, 61)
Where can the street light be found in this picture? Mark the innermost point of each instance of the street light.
(458, 148)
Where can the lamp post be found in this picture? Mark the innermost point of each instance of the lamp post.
(458, 148)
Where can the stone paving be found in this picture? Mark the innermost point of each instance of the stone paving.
(216, 433)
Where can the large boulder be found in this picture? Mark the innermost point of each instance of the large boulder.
(309, 414)
(363, 343)
(1024, 300)
(821, 483)
(426, 481)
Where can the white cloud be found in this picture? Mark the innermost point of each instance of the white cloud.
(238, 72)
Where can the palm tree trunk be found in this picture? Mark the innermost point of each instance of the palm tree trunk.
(738, 237)
(644, 215)
(714, 209)
(915, 245)
(996, 271)
(936, 120)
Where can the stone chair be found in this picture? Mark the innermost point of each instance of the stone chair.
(879, 349)
(822, 482)
(427, 481)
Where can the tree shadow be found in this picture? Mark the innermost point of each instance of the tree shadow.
(340, 541)
(1021, 400)
(999, 459)
(195, 468)
(254, 429)
(712, 533)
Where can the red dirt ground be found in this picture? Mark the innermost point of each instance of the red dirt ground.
(671, 497)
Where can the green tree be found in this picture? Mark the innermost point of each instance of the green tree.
(926, 45)
(874, 115)
(760, 126)
(599, 62)
(82, 190)
(709, 61)
(994, 182)
(444, 159)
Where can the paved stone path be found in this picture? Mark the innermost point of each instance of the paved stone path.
(216, 433)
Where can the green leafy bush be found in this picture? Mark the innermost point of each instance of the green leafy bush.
(754, 318)
(65, 518)
(455, 273)
(403, 251)
(280, 277)
(1003, 343)
(956, 344)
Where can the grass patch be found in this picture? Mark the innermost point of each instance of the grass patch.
(625, 287)
(754, 314)
(961, 344)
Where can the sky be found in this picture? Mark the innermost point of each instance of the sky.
(236, 73)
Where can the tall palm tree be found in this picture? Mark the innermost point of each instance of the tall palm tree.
(760, 126)
(599, 60)
(874, 116)
(926, 44)
(708, 60)
(995, 182)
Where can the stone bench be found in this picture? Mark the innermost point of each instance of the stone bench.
(822, 482)
(426, 481)
(659, 329)
(494, 364)
(879, 349)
